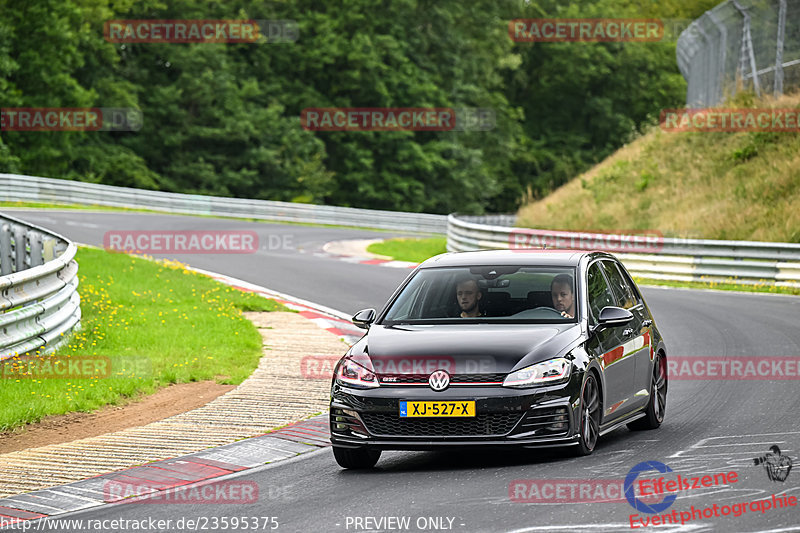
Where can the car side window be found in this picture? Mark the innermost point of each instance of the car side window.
(600, 295)
(623, 293)
(637, 295)
(409, 300)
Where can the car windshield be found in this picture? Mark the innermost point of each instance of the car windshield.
(530, 294)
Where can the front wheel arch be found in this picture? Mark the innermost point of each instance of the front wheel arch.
(651, 419)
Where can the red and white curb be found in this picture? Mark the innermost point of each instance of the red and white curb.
(369, 261)
(168, 476)
(326, 318)
(355, 251)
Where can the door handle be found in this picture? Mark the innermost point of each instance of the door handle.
(627, 331)
(647, 323)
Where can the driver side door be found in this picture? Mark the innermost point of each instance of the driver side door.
(608, 346)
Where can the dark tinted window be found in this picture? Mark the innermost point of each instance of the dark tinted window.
(634, 289)
(623, 294)
(600, 295)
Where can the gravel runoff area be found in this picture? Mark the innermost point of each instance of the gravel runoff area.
(276, 394)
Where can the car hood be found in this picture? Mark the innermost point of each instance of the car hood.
(462, 349)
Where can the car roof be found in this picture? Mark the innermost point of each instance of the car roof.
(512, 257)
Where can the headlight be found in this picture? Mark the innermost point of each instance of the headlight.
(552, 371)
(357, 372)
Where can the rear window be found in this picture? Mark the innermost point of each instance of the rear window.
(487, 294)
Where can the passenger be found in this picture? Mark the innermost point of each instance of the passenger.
(562, 292)
(468, 295)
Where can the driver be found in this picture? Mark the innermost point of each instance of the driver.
(469, 296)
(563, 295)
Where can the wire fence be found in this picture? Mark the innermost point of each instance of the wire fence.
(741, 45)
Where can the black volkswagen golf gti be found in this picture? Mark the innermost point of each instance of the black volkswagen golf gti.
(495, 348)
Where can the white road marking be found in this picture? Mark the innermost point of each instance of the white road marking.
(81, 224)
(765, 443)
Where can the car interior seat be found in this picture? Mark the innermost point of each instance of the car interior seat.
(539, 299)
(496, 303)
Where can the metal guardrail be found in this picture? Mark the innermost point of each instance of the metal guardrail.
(669, 258)
(39, 303)
(16, 188)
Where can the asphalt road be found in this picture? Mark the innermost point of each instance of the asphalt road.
(287, 260)
(711, 426)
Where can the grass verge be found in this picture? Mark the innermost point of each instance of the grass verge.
(145, 325)
(54, 205)
(730, 186)
(720, 286)
(413, 250)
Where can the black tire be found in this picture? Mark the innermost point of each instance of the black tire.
(356, 457)
(656, 408)
(589, 421)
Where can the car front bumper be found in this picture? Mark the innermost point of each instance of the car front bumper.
(536, 417)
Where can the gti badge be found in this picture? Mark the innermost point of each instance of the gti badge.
(439, 380)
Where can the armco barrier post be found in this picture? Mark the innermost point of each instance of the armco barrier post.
(6, 259)
(20, 236)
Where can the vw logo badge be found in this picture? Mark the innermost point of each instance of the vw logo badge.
(439, 380)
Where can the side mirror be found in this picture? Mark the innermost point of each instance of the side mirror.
(611, 317)
(365, 317)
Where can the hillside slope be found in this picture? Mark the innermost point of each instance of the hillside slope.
(704, 185)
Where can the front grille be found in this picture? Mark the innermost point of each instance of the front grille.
(545, 421)
(484, 425)
(406, 379)
(477, 378)
(403, 379)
